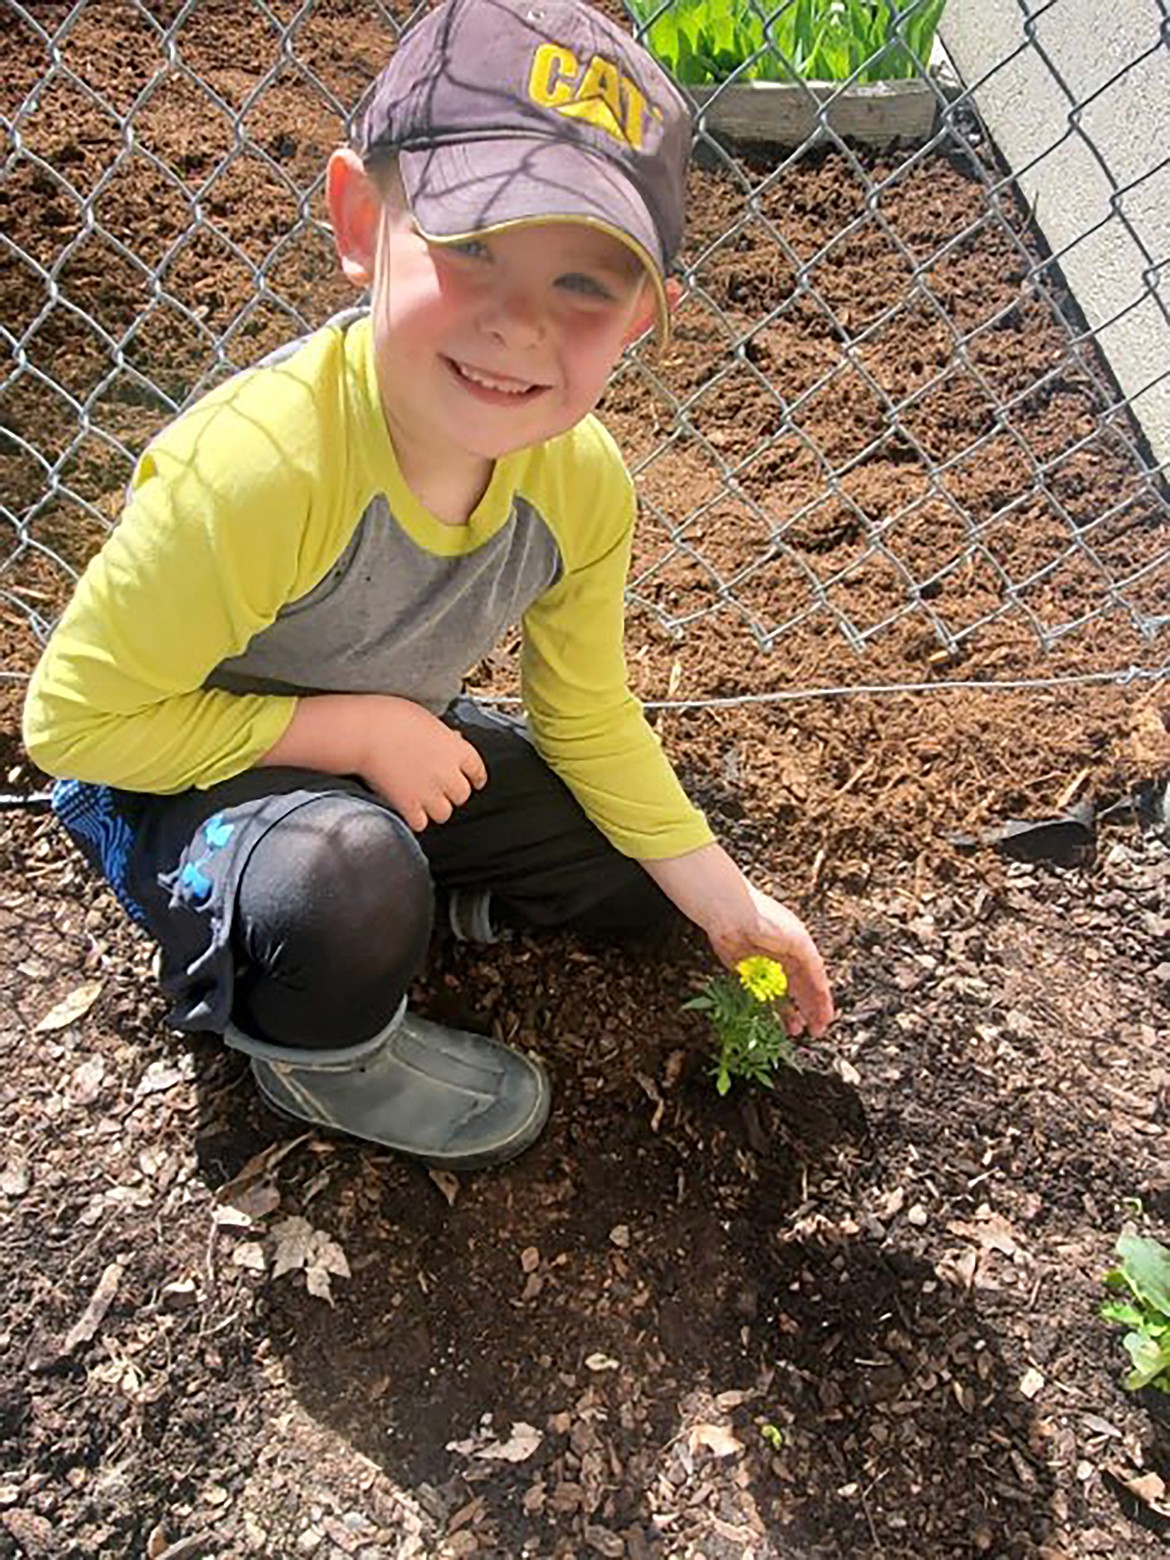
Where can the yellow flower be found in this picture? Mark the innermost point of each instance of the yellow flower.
(764, 978)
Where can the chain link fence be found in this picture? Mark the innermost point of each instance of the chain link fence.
(885, 449)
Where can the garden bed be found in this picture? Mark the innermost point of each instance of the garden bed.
(895, 1261)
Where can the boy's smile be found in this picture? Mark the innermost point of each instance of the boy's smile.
(496, 389)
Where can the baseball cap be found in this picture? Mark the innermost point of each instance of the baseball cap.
(506, 112)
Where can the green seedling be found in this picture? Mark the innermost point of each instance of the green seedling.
(1143, 1277)
(753, 1040)
(774, 1436)
(702, 42)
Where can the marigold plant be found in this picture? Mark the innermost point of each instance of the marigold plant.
(753, 1039)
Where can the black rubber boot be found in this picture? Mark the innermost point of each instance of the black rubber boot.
(456, 1100)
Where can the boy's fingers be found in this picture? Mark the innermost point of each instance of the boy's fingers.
(810, 984)
(472, 764)
(439, 809)
(458, 788)
(810, 987)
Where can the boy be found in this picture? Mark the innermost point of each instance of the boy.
(255, 689)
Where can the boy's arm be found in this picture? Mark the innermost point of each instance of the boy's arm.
(423, 768)
(201, 560)
(740, 922)
(591, 730)
(586, 723)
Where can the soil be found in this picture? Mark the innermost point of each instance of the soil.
(854, 1316)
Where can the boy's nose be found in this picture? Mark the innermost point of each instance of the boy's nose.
(516, 318)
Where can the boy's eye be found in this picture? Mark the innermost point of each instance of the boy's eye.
(470, 248)
(587, 286)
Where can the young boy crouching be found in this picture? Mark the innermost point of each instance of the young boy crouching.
(254, 694)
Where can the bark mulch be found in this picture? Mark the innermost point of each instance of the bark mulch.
(852, 1317)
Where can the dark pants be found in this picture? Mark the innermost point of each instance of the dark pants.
(299, 906)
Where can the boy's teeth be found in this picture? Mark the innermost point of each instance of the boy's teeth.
(490, 382)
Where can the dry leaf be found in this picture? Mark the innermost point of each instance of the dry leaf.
(1100, 1426)
(893, 1202)
(732, 1399)
(529, 1259)
(326, 1253)
(86, 1083)
(76, 1005)
(715, 1438)
(14, 1181)
(519, 1446)
(447, 1183)
(1031, 1382)
(249, 1254)
(162, 1075)
(991, 1231)
(249, 1204)
(959, 1270)
(179, 1294)
(1150, 1488)
(100, 1301)
(468, 1514)
(259, 1164)
(317, 1283)
(293, 1236)
(299, 1245)
(600, 1361)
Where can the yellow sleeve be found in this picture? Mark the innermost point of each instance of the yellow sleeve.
(212, 543)
(586, 723)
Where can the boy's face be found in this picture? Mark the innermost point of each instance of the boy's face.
(503, 341)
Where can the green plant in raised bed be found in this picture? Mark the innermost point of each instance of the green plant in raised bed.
(1143, 1276)
(753, 1039)
(702, 42)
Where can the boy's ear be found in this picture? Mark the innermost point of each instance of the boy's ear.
(355, 210)
(647, 311)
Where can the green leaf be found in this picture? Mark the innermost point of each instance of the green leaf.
(1122, 1312)
(1149, 1358)
(722, 1081)
(709, 40)
(1145, 1265)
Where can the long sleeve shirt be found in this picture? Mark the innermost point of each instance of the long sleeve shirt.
(271, 550)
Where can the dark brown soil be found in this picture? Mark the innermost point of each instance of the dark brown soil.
(894, 1260)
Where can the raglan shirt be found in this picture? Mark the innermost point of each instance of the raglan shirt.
(270, 549)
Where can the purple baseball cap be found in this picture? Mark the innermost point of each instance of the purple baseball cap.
(505, 112)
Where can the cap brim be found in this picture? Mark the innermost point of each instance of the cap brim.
(477, 186)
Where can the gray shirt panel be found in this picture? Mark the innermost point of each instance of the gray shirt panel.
(391, 617)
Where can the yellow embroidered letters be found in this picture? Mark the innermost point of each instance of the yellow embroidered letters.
(598, 93)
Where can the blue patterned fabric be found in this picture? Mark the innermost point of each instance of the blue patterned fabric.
(91, 817)
(195, 880)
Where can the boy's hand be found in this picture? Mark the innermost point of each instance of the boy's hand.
(423, 768)
(772, 929)
(740, 921)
